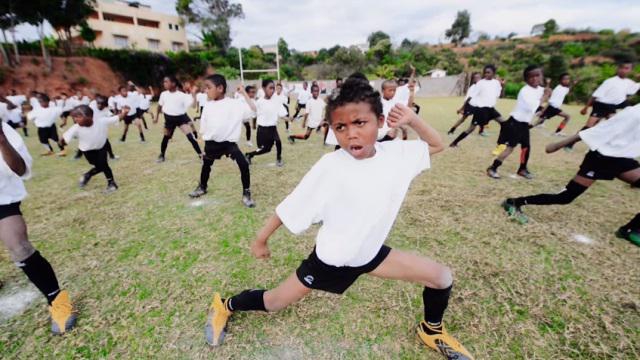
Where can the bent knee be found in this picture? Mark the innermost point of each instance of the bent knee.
(443, 278)
(20, 250)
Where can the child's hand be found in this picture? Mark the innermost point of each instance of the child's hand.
(583, 111)
(260, 250)
(401, 115)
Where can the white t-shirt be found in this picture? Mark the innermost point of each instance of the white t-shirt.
(17, 100)
(557, 96)
(471, 92)
(175, 103)
(615, 90)
(315, 111)
(91, 137)
(44, 117)
(487, 93)
(222, 119)
(70, 103)
(15, 115)
(528, 102)
(248, 113)
(402, 94)
(33, 101)
(282, 98)
(129, 101)
(111, 102)
(268, 111)
(202, 98)
(12, 187)
(617, 137)
(145, 101)
(387, 105)
(303, 96)
(135, 98)
(260, 93)
(357, 201)
(4, 112)
(85, 100)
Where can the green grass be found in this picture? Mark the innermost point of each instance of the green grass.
(142, 264)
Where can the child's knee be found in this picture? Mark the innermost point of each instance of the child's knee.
(443, 277)
(20, 250)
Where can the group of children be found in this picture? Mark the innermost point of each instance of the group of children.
(369, 163)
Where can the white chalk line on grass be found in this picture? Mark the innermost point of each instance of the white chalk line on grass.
(204, 202)
(15, 300)
(582, 239)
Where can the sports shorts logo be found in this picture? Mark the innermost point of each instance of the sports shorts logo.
(591, 174)
(309, 279)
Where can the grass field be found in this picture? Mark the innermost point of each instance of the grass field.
(142, 263)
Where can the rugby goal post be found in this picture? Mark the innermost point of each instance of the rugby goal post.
(275, 70)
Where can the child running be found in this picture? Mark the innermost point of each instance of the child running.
(486, 94)
(516, 130)
(302, 95)
(250, 115)
(314, 114)
(100, 107)
(128, 100)
(554, 108)
(268, 111)
(220, 127)
(173, 104)
(44, 117)
(466, 109)
(15, 166)
(284, 100)
(356, 194)
(613, 145)
(91, 133)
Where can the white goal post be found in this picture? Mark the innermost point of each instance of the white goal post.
(275, 70)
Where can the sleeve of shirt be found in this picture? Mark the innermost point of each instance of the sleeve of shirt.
(633, 87)
(602, 89)
(415, 154)
(71, 134)
(601, 134)
(161, 100)
(18, 144)
(301, 208)
(110, 120)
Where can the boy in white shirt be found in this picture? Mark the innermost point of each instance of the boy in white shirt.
(15, 166)
(44, 117)
(128, 100)
(250, 115)
(314, 114)
(173, 104)
(516, 130)
(137, 97)
(92, 133)
(200, 100)
(611, 95)
(302, 95)
(145, 103)
(614, 146)
(554, 108)
(466, 109)
(268, 111)
(220, 127)
(283, 98)
(343, 192)
(487, 92)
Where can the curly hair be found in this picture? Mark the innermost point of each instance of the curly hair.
(355, 89)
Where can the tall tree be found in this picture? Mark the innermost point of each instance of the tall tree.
(67, 15)
(87, 33)
(460, 29)
(283, 49)
(376, 36)
(8, 22)
(35, 13)
(214, 18)
(550, 27)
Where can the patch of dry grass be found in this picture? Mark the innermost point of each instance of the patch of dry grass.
(142, 263)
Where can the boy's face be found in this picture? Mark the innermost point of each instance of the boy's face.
(166, 83)
(213, 92)
(535, 78)
(565, 81)
(389, 91)
(305, 85)
(356, 128)
(278, 89)
(315, 91)
(123, 92)
(268, 90)
(101, 105)
(43, 103)
(81, 120)
(251, 93)
(624, 70)
(488, 74)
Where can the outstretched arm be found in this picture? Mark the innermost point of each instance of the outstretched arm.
(401, 115)
(260, 248)
(553, 147)
(11, 156)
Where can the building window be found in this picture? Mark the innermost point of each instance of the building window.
(170, 26)
(177, 46)
(154, 44)
(121, 41)
(177, 27)
(148, 23)
(117, 18)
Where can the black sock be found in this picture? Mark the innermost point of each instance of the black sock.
(636, 184)
(41, 274)
(195, 134)
(248, 300)
(459, 138)
(141, 136)
(634, 224)
(194, 143)
(496, 164)
(566, 196)
(163, 145)
(435, 303)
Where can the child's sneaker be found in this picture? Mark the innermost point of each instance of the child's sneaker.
(630, 235)
(199, 191)
(63, 318)
(111, 187)
(217, 319)
(514, 211)
(279, 163)
(443, 343)
(247, 200)
(492, 173)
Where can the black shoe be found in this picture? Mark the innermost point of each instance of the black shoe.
(84, 180)
(525, 174)
(492, 173)
(111, 187)
(246, 199)
(451, 131)
(248, 157)
(160, 159)
(199, 191)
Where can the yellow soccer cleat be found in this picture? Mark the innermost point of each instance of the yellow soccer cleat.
(63, 318)
(217, 319)
(499, 149)
(444, 343)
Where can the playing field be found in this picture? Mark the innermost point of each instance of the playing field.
(142, 263)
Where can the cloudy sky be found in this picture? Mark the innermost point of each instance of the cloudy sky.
(314, 24)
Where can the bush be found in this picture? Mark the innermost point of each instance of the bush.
(228, 72)
(142, 67)
(511, 89)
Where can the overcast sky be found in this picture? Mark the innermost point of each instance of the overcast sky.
(314, 24)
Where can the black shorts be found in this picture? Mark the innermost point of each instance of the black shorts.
(302, 106)
(140, 112)
(65, 113)
(468, 109)
(596, 166)
(623, 104)
(10, 210)
(171, 122)
(214, 150)
(14, 125)
(602, 110)
(46, 133)
(550, 112)
(482, 115)
(267, 136)
(315, 274)
(516, 133)
(129, 119)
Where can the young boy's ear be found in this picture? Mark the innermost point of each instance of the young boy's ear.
(380, 121)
